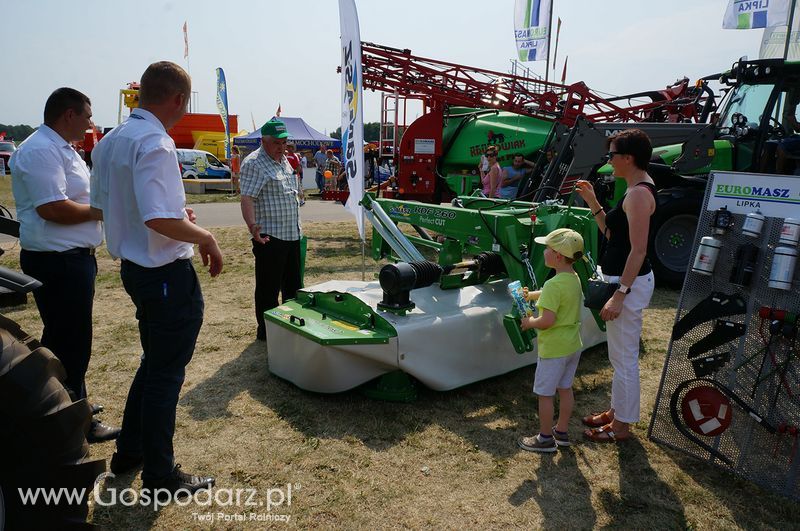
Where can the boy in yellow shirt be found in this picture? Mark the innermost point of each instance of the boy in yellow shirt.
(559, 339)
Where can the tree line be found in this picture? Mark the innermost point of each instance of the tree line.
(372, 132)
(16, 132)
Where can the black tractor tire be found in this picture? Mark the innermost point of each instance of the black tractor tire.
(44, 436)
(672, 235)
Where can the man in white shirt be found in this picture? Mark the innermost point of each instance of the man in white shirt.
(136, 182)
(58, 235)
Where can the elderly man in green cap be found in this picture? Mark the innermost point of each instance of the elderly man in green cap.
(271, 209)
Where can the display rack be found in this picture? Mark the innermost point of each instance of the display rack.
(730, 389)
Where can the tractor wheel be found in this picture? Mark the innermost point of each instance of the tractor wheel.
(44, 436)
(673, 229)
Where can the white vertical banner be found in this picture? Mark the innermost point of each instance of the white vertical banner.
(352, 109)
(751, 14)
(773, 43)
(532, 29)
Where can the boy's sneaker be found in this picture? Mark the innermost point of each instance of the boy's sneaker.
(537, 444)
(562, 439)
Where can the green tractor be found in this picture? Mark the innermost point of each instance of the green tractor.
(748, 134)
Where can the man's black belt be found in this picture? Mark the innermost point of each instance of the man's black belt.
(83, 251)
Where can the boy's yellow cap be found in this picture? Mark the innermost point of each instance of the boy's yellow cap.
(563, 241)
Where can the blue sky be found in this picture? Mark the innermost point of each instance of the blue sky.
(287, 52)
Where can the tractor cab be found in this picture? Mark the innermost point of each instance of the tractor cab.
(759, 119)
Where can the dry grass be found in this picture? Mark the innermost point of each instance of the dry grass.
(6, 197)
(212, 196)
(449, 460)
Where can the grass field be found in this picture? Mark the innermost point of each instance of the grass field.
(447, 461)
(7, 198)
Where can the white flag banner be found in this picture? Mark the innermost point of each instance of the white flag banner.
(749, 14)
(773, 43)
(352, 109)
(532, 29)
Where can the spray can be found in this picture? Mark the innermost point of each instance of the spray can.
(783, 264)
(753, 223)
(706, 258)
(790, 232)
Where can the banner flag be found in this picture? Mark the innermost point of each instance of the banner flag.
(558, 34)
(185, 41)
(773, 42)
(352, 109)
(750, 14)
(564, 73)
(222, 106)
(278, 112)
(532, 29)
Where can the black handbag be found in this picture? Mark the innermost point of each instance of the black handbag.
(598, 291)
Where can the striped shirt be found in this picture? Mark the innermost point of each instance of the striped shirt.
(273, 187)
(333, 165)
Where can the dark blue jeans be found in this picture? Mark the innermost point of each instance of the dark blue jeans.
(169, 308)
(65, 305)
(320, 179)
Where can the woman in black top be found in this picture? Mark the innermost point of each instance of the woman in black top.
(627, 227)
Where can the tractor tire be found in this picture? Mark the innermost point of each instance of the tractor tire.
(673, 230)
(44, 436)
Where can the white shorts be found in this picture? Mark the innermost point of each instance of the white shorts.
(555, 373)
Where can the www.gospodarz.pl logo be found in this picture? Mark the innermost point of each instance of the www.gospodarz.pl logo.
(250, 504)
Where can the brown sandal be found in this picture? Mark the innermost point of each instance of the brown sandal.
(597, 420)
(604, 434)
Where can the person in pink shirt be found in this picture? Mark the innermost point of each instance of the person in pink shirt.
(492, 178)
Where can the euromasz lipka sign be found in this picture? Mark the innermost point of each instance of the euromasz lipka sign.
(774, 195)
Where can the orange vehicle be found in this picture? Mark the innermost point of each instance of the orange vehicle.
(185, 133)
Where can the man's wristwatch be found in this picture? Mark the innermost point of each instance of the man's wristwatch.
(624, 289)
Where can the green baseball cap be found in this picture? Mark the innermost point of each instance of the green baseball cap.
(274, 128)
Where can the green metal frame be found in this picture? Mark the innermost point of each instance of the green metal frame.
(332, 319)
(480, 224)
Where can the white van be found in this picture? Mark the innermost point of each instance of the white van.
(197, 164)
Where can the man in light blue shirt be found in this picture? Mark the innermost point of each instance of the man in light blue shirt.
(320, 159)
(512, 175)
